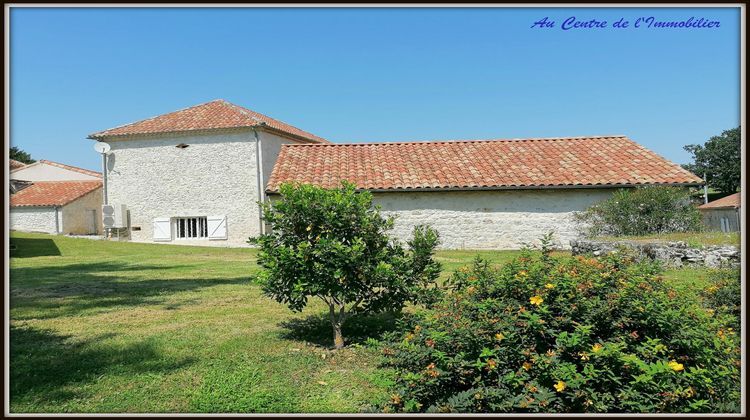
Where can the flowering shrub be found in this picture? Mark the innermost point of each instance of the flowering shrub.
(724, 294)
(563, 334)
(641, 211)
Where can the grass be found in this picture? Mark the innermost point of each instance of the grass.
(122, 327)
(694, 240)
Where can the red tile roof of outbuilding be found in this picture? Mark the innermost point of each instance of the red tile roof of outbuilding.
(52, 193)
(60, 165)
(478, 164)
(14, 164)
(216, 114)
(730, 201)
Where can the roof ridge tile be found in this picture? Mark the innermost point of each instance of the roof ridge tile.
(518, 139)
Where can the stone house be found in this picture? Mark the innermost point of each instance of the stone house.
(195, 176)
(55, 198)
(722, 215)
(58, 207)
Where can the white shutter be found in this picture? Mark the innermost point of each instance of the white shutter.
(162, 229)
(217, 227)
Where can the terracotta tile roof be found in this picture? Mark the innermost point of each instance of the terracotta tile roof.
(211, 115)
(63, 166)
(730, 201)
(14, 164)
(519, 163)
(72, 168)
(52, 193)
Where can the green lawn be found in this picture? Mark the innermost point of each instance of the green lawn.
(121, 327)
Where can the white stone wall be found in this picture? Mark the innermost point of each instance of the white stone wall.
(490, 219)
(42, 172)
(270, 149)
(33, 219)
(77, 217)
(215, 175)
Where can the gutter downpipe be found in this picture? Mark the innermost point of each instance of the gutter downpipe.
(104, 189)
(705, 188)
(57, 220)
(258, 175)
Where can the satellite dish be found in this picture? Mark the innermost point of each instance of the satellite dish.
(101, 147)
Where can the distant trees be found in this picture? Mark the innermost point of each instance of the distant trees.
(20, 155)
(719, 160)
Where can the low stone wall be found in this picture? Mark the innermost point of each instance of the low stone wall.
(672, 254)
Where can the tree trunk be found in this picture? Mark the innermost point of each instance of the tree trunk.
(338, 339)
(337, 321)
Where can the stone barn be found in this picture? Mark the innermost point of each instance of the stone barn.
(195, 176)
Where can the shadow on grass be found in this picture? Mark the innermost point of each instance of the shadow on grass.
(317, 330)
(33, 247)
(43, 363)
(43, 293)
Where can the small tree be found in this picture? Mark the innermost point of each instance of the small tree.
(719, 159)
(641, 211)
(20, 155)
(332, 244)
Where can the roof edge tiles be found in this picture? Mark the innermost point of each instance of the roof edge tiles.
(552, 162)
(53, 193)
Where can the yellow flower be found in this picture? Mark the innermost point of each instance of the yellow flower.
(309, 228)
(499, 336)
(596, 348)
(584, 356)
(550, 353)
(523, 273)
(526, 365)
(676, 366)
(560, 386)
(536, 300)
(549, 286)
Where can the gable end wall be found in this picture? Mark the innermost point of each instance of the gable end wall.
(214, 175)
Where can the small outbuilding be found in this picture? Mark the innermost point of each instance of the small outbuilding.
(67, 207)
(723, 214)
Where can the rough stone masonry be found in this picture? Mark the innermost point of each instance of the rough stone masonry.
(672, 254)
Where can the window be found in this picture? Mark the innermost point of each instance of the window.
(191, 227)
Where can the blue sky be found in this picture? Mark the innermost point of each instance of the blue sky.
(354, 75)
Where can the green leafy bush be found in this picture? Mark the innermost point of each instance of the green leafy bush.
(724, 295)
(563, 334)
(642, 211)
(333, 244)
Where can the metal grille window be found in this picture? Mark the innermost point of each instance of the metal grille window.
(191, 227)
